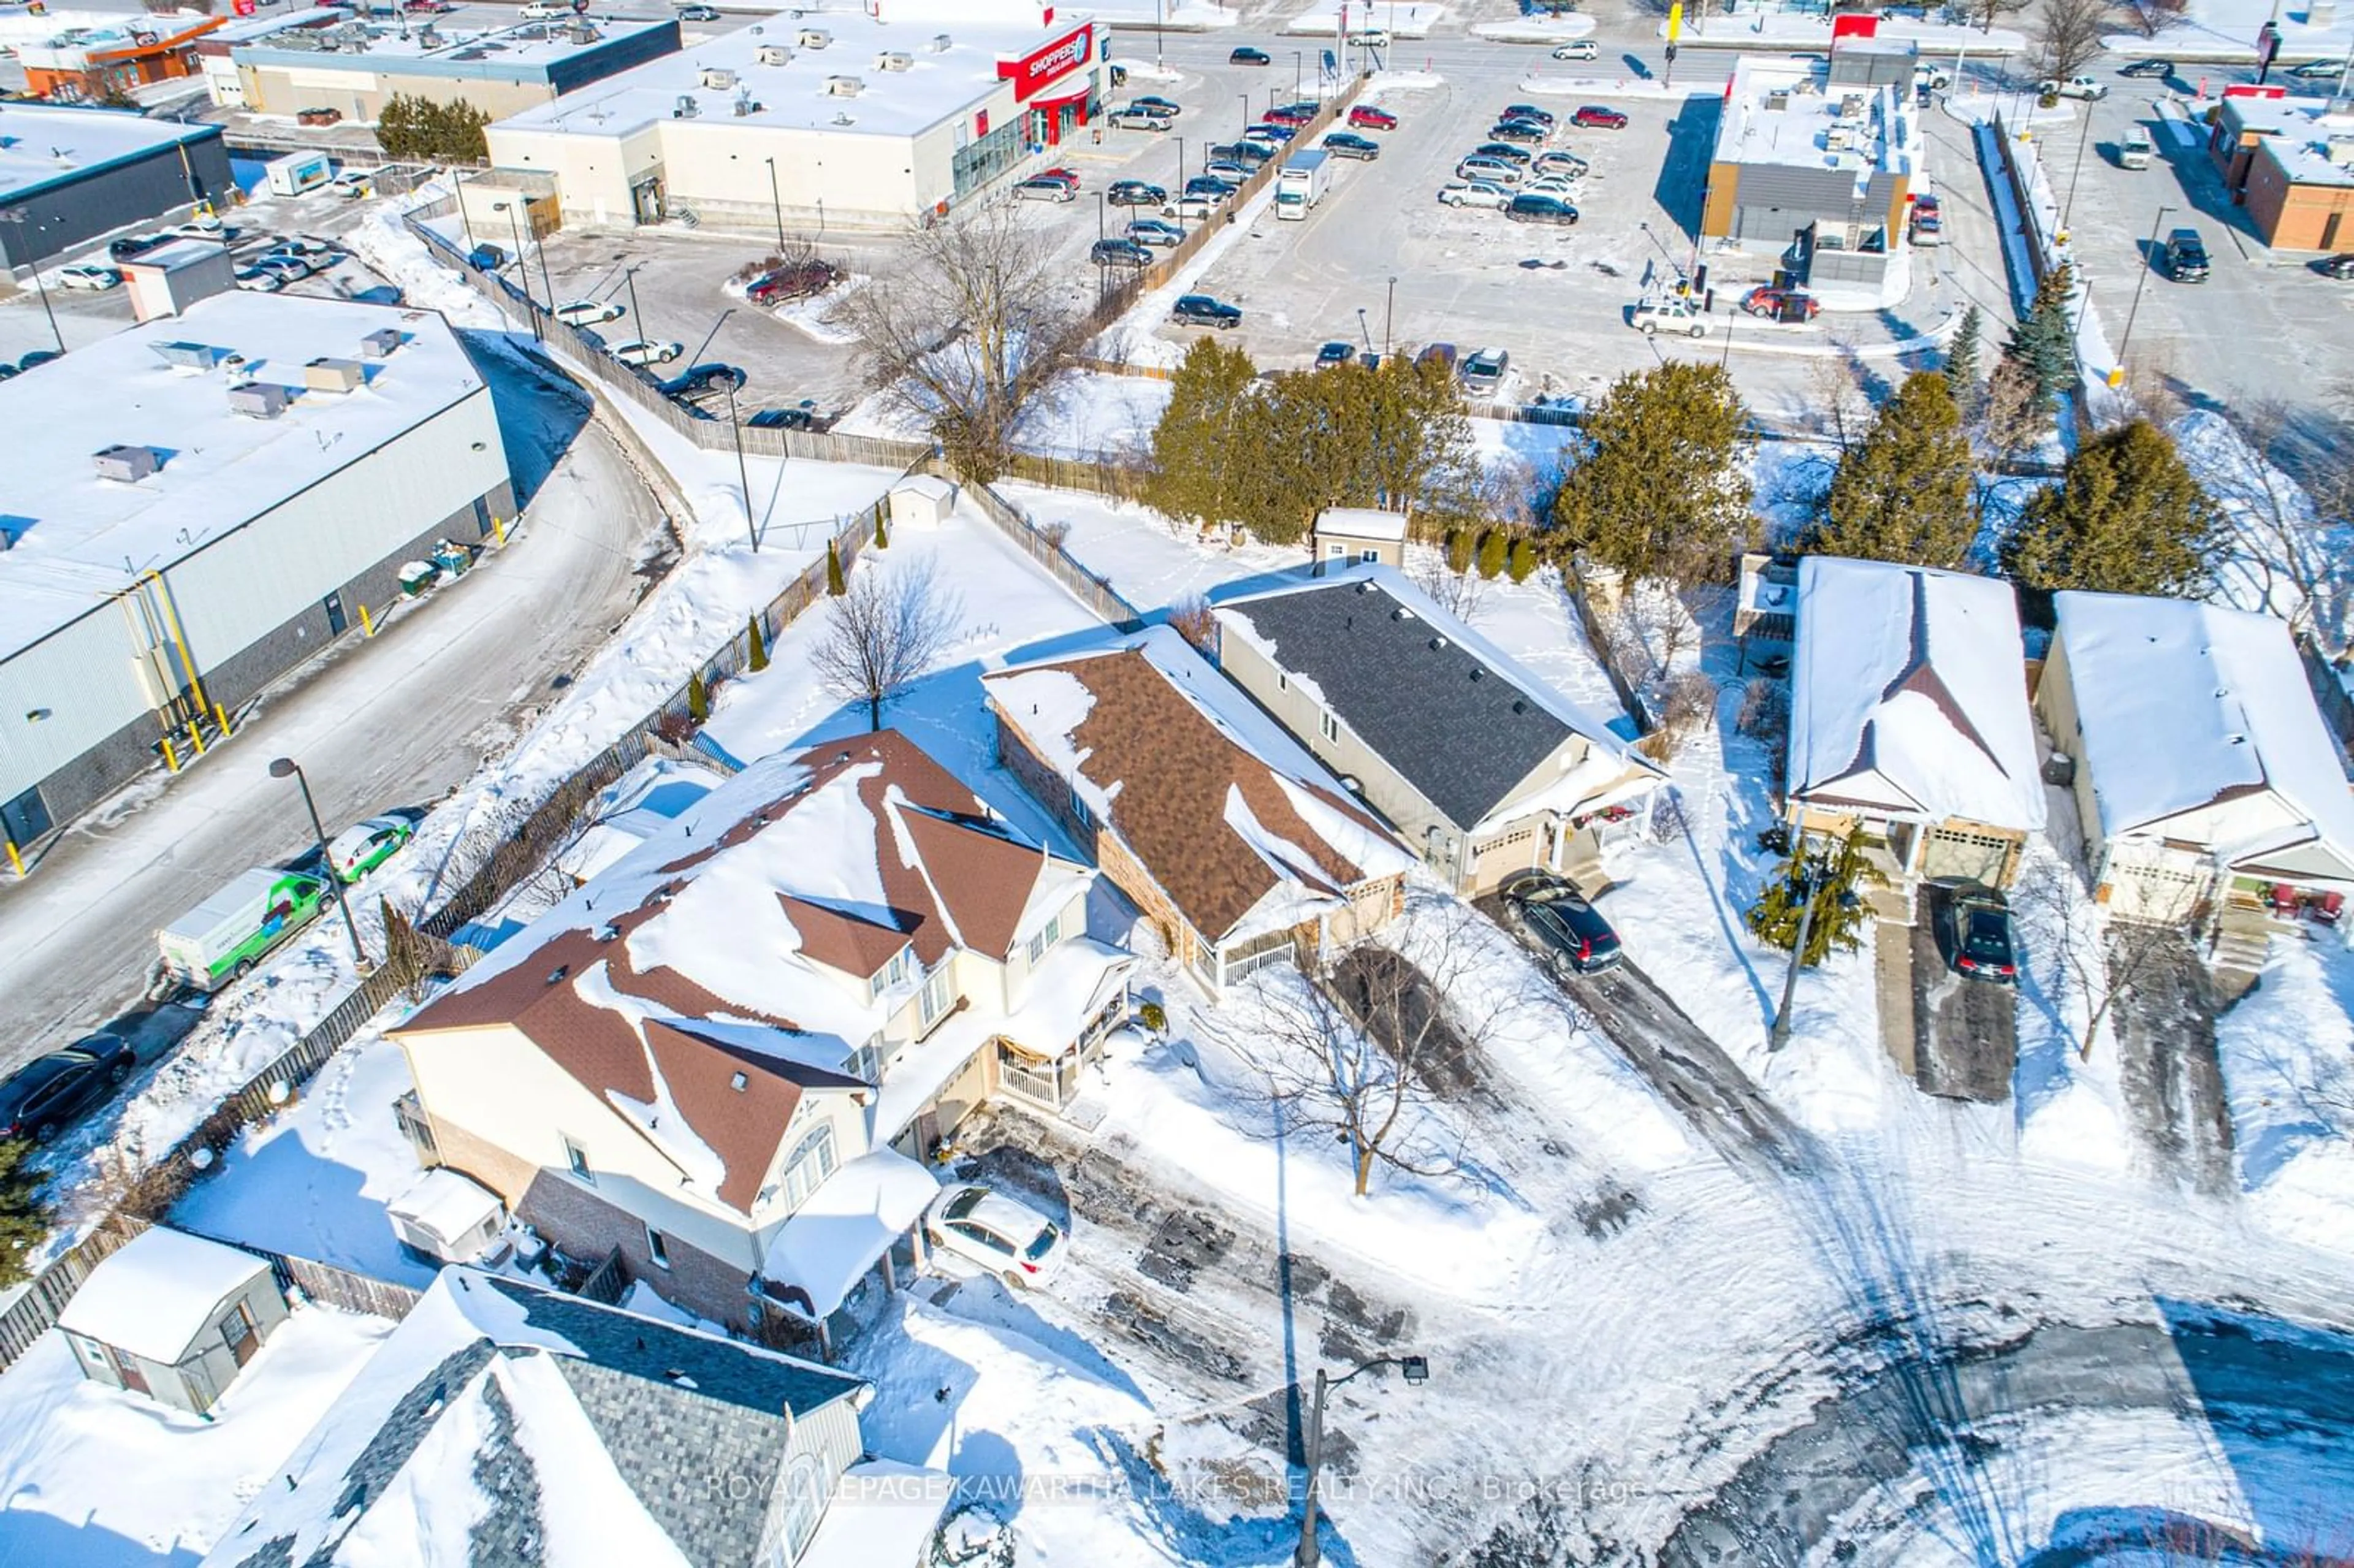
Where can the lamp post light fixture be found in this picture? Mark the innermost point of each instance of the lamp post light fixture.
(743, 473)
(775, 202)
(514, 223)
(1389, 316)
(2148, 265)
(1364, 330)
(287, 768)
(16, 215)
(1417, 1370)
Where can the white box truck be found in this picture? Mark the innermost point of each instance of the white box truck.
(1300, 183)
(298, 171)
(222, 937)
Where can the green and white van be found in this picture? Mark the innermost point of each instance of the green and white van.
(225, 934)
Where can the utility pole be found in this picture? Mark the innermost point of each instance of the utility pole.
(743, 474)
(775, 202)
(1389, 316)
(2148, 265)
(1308, 1554)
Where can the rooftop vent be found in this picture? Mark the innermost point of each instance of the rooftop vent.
(258, 400)
(379, 344)
(687, 108)
(941, 44)
(1777, 101)
(893, 59)
(608, 932)
(746, 105)
(1439, 645)
(2340, 150)
(813, 38)
(186, 356)
(717, 79)
(844, 86)
(324, 374)
(555, 975)
(585, 33)
(129, 464)
(737, 1083)
(773, 55)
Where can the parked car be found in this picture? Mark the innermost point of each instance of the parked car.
(318, 115)
(1540, 207)
(1335, 353)
(1043, 189)
(362, 847)
(1267, 131)
(42, 1097)
(427, 7)
(1519, 157)
(1068, 176)
(1365, 117)
(642, 351)
(131, 245)
(1291, 114)
(1165, 106)
(1668, 312)
(1247, 56)
(1211, 187)
(797, 280)
(803, 417)
(303, 245)
(590, 312)
(1440, 356)
(1137, 120)
(1973, 934)
(1008, 1238)
(1202, 310)
(2082, 87)
(2338, 267)
(1765, 299)
(546, 11)
(222, 939)
(1193, 207)
(1348, 145)
(1495, 171)
(89, 275)
(2185, 257)
(1526, 111)
(1598, 117)
(1484, 371)
(1556, 161)
(285, 269)
(1552, 186)
(698, 14)
(700, 380)
(258, 281)
(203, 228)
(1226, 169)
(1518, 131)
(1927, 78)
(1119, 253)
(351, 184)
(1557, 915)
(1135, 192)
(2147, 70)
(1578, 49)
(1475, 192)
(1154, 231)
(1251, 153)
(2319, 70)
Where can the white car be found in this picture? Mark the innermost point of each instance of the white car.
(2082, 87)
(362, 847)
(638, 351)
(302, 245)
(285, 269)
(1475, 192)
(1669, 313)
(259, 281)
(1009, 1239)
(350, 183)
(544, 11)
(1193, 207)
(89, 275)
(1581, 50)
(590, 312)
(203, 228)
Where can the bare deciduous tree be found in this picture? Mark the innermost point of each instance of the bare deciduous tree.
(1837, 406)
(969, 334)
(2154, 16)
(2101, 957)
(2069, 35)
(2287, 496)
(1987, 12)
(1191, 618)
(889, 630)
(1458, 593)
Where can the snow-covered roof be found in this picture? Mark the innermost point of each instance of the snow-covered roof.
(1461, 721)
(445, 1204)
(525, 51)
(157, 1292)
(1908, 695)
(2308, 137)
(644, 801)
(883, 1516)
(740, 942)
(1361, 523)
(1221, 808)
(78, 538)
(502, 1423)
(44, 145)
(847, 1224)
(2184, 704)
(1778, 110)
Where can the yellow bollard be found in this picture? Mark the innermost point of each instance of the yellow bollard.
(196, 737)
(170, 758)
(221, 717)
(15, 858)
(499, 529)
(367, 622)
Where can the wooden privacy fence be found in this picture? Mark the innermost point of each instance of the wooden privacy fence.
(31, 1315)
(1088, 588)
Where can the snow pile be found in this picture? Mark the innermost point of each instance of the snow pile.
(2288, 1066)
(812, 316)
(383, 243)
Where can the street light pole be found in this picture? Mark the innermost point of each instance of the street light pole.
(1299, 70)
(743, 474)
(2082, 137)
(16, 217)
(1418, 1371)
(1246, 98)
(514, 225)
(1365, 329)
(2148, 265)
(636, 322)
(1099, 218)
(287, 768)
(1389, 316)
(775, 202)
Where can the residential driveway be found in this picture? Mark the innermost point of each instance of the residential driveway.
(1966, 1032)
(398, 720)
(2164, 1020)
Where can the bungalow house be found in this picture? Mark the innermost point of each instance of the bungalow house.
(2205, 778)
(1237, 845)
(174, 1317)
(714, 1061)
(1909, 722)
(503, 1424)
(1481, 765)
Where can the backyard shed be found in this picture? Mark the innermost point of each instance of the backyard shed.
(1361, 534)
(921, 501)
(174, 1317)
(448, 1217)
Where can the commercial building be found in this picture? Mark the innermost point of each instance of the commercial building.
(1815, 165)
(842, 121)
(86, 65)
(216, 50)
(2290, 164)
(68, 176)
(354, 68)
(212, 499)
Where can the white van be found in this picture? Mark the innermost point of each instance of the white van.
(2136, 150)
(222, 937)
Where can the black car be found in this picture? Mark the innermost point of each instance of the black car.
(2338, 267)
(51, 1091)
(1247, 56)
(1517, 131)
(1200, 310)
(1349, 144)
(1212, 186)
(699, 379)
(1335, 353)
(1251, 153)
(1973, 936)
(2146, 69)
(1517, 156)
(2185, 257)
(1135, 192)
(783, 419)
(1560, 916)
(131, 245)
(1119, 253)
(1526, 111)
(1538, 208)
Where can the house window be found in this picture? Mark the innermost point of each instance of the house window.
(657, 1249)
(811, 1164)
(1330, 726)
(1282, 681)
(1369, 556)
(938, 991)
(1079, 809)
(576, 1159)
(804, 1506)
(1045, 937)
(865, 1063)
(1335, 552)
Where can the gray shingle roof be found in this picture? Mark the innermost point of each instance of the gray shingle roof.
(1460, 729)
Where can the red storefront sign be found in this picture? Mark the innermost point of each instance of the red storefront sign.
(1855, 25)
(1050, 63)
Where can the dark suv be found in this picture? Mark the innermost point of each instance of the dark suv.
(1972, 925)
(1200, 310)
(699, 379)
(1119, 253)
(51, 1091)
(2185, 257)
(1557, 915)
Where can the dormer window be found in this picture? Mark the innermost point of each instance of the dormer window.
(1045, 937)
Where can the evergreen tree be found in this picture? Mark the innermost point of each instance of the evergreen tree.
(1523, 558)
(1903, 493)
(25, 1218)
(1961, 366)
(758, 659)
(698, 697)
(1493, 548)
(833, 583)
(2044, 341)
(1458, 550)
(1202, 455)
(2127, 516)
(1663, 489)
(1832, 873)
(882, 524)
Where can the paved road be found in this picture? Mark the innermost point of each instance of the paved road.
(2164, 1020)
(399, 720)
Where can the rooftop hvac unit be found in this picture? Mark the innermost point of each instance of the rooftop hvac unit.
(1777, 101)
(585, 33)
(941, 43)
(333, 376)
(813, 38)
(2340, 150)
(186, 356)
(893, 59)
(1851, 106)
(258, 400)
(844, 86)
(745, 106)
(1835, 138)
(687, 108)
(129, 464)
(717, 79)
(379, 344)
(773, 55)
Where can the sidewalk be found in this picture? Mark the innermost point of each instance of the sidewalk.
(1766, 32)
